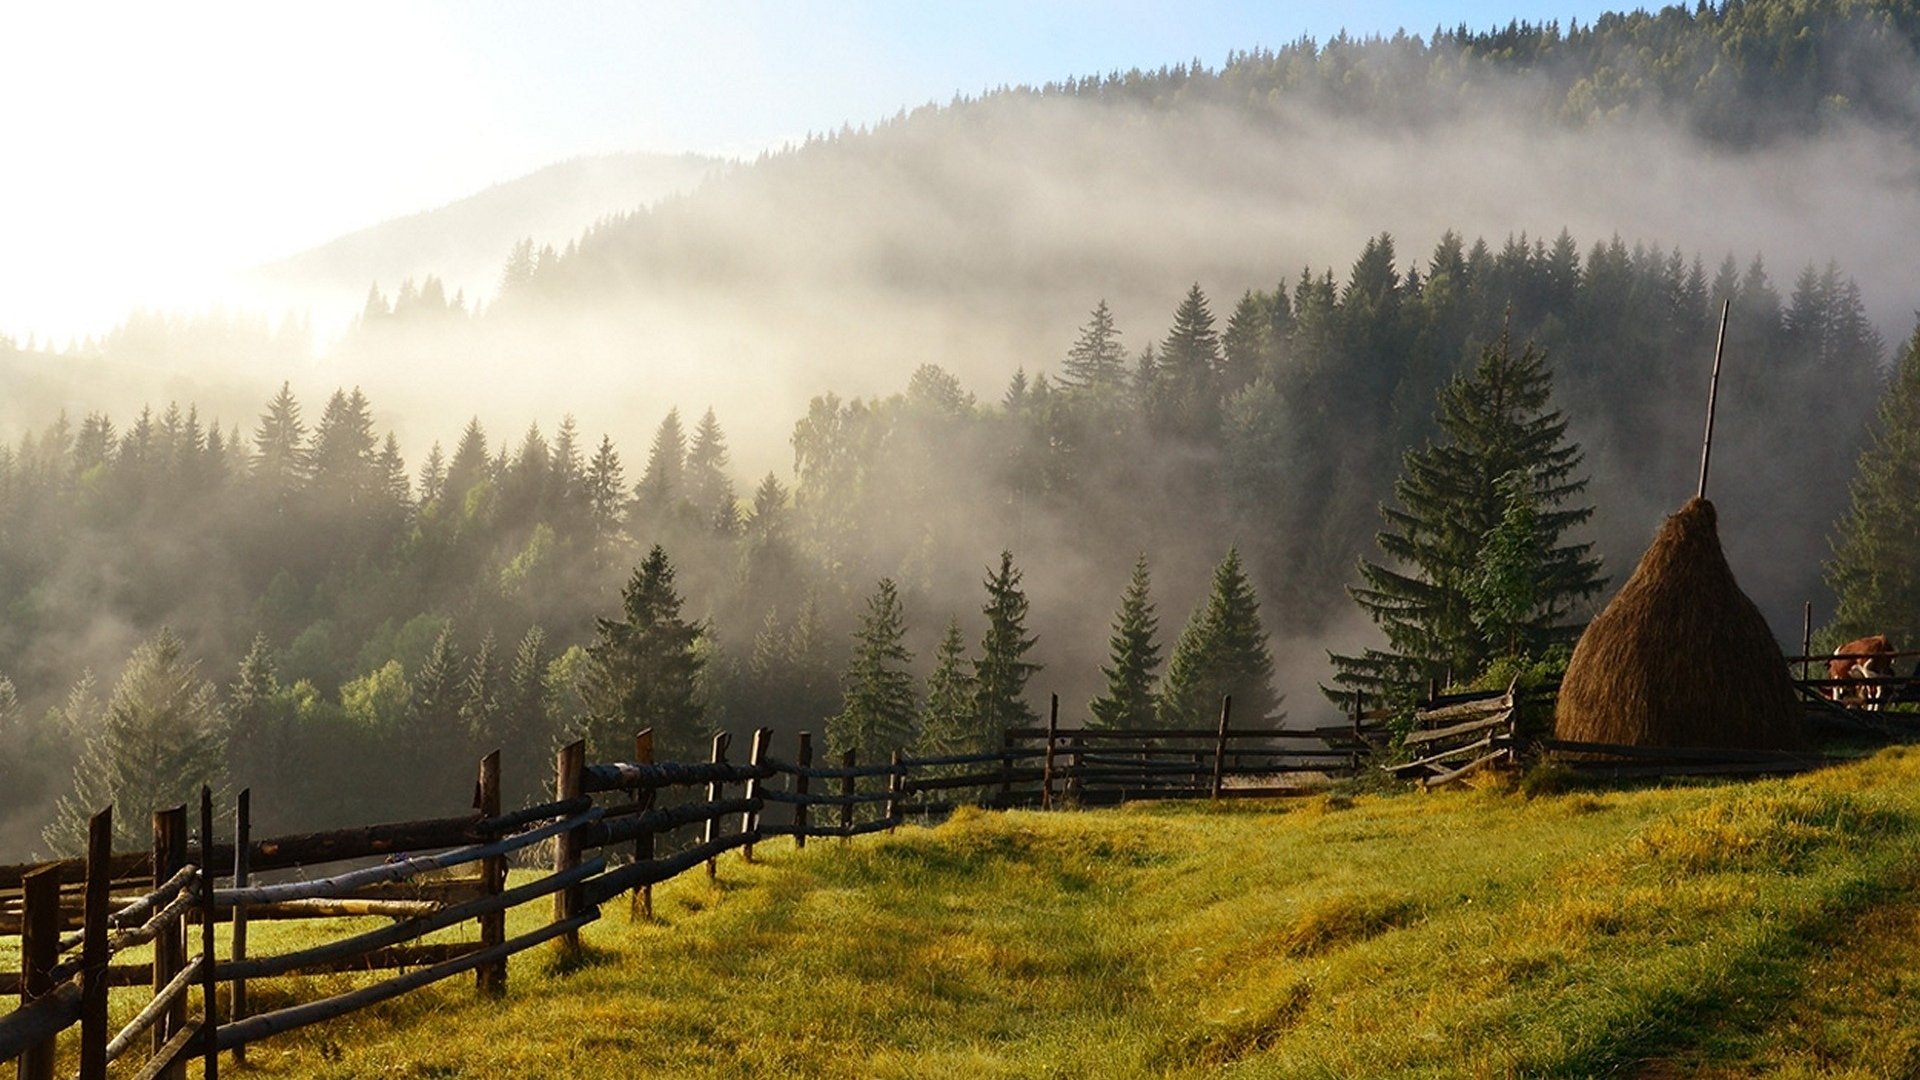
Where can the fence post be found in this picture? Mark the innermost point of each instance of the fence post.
(491, 979)
(1006, 768)
(805, 760)
(750, 820)
(641, 900)
(849, 761)
(716, 788)
(93, 948)
(170, 945)
(39, 952)
(893, 792)
(1046, 763)
(242, 860)
(1077, 764)
(209, 973)
(567, 782)
(1220, 747)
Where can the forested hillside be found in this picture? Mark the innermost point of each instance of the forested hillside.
(408, 610)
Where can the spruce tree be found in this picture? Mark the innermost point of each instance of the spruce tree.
(1189, 370)
(1875, 572)
(434, 723)
(280, 448)
(605, 486)
(878, 687)
(256, 735)
(945, 717)
(480, 705)
(1495, 421)
(154, 746)
(1221, 653)
(663, 485)
(1001, 671)
(644, 668)
(708, 488)
(1134, 656)
(470, 465)
(1097, 359)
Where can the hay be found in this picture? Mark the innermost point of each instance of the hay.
(1680, 657)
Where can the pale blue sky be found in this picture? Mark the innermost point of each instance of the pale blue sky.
(150, 148)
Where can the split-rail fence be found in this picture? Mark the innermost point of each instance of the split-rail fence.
(610, 830)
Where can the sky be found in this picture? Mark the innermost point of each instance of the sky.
(152, 150)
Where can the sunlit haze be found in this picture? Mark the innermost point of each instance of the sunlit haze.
(155, 150)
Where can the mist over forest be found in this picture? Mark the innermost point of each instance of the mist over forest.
(884, 354)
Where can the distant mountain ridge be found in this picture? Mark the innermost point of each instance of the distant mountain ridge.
(465, 242)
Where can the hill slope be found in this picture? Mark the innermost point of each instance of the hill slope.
(465, 242)
(1716, 930)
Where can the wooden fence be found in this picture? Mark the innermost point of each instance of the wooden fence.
(611, 829)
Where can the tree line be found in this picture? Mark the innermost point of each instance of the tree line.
(365, 605)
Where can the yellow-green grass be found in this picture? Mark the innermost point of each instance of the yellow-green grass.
(1721, 929)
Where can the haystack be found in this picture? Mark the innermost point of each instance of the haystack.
(1681, 657)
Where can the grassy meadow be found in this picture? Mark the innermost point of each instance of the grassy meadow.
(1722, 929)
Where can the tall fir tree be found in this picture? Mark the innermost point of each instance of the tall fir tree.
(527, 706)
(1134, 656)
(1222, 653)
(605, 487)
(1189, 371)
(1496, 421)
(433, 721)
(878, 685)
(155, 745)
(709, 489)
(663, 485)
(945, 716)
(1097, 359)
(1875, 571)
(279, 448)
(256, 737)
(644, 669)
(1001, 671)
(480, 704)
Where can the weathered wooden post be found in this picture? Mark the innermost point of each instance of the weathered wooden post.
(750, 819)
(209, 972)
(1076, 768)
(39, 952)
(1006, 767)
(170, 945)
(491, 978)
(568, 782)
(804, 759)
(242, 868)
(848, 761)
(1046, 763)
(1220, 747)
(894, 780)
(641, 901)
(716, 788)
(93, 948)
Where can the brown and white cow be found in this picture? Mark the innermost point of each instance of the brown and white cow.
(1862, 658)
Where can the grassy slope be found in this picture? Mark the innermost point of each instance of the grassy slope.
(1716, 930)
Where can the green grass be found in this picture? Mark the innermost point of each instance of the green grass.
(1716, 930)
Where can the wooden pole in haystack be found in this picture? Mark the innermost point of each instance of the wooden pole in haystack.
(1713, 396)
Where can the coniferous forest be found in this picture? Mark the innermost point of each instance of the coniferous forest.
(1408, 465)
